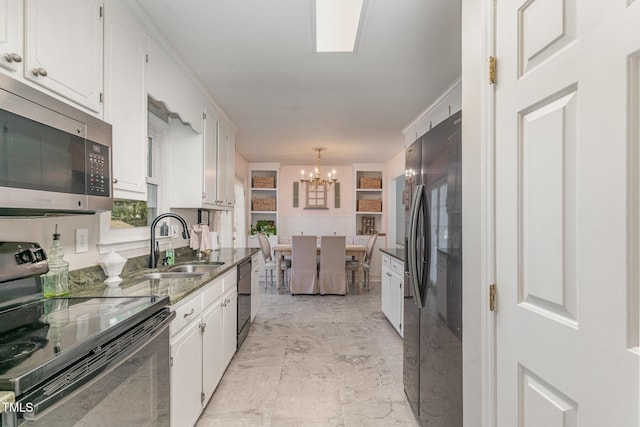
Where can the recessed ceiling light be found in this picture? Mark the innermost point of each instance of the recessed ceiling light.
(338, 24)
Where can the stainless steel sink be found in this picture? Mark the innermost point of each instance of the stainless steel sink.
(197, 268)
(173, 275)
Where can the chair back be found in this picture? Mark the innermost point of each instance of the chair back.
(303, 277)
(368, 249)
(265, 247)
(333, 276)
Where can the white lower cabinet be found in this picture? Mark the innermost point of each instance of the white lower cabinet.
(186, 357)
(392, 292)
(230, 324)
(203, 342)
(212, 358)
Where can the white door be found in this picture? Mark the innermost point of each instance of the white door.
(567, 186)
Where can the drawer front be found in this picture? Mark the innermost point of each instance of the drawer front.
(386, 261)
(186, 313)
(212, 292)
(229, 280)
(397, 267)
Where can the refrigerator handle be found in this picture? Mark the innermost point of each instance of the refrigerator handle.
(412, 254)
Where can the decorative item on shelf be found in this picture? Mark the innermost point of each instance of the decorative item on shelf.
(313, 183)
(268, 205)
(112, 265)
(369, 205)
(370, 184)
(368, 226)
(264, 226)
(264, 182)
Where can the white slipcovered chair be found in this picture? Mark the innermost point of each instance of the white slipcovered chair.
(303, 277)
(352, 265)
(333, 276)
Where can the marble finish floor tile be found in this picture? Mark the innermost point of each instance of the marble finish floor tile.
(312, 360)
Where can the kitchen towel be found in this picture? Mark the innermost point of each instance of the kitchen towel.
(199, 239)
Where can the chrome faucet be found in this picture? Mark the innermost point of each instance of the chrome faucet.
(154, 252)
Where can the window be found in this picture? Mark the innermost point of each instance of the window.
(316, 199)
(140, 213)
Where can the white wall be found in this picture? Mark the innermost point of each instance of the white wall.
(393, 168)
(474, 294)
(316, 221)
(40, 230)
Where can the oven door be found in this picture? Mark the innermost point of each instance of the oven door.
(132, 389)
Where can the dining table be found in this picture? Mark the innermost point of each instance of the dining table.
(282, 250)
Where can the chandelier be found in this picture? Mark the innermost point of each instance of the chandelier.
(317, 182)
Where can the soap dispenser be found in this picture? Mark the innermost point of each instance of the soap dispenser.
(56, 281)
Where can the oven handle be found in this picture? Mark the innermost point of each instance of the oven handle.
(44, 405)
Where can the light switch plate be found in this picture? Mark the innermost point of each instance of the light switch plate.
(82, 240)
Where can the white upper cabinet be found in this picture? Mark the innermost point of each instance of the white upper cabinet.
(126, 99)
(226, 167)
(202, 167)
(63, 48)
(11, 25)
(169, 84)
(210, 155)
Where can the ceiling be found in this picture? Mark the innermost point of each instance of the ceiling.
(255, 57)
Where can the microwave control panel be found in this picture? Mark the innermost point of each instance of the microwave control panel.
(97, 167)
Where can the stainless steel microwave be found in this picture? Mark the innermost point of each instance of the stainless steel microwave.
(54, 158)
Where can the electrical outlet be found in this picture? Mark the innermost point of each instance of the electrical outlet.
(82, 240)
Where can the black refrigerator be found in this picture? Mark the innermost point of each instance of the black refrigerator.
(432, 357)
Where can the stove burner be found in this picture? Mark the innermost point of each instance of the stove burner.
(14, 353)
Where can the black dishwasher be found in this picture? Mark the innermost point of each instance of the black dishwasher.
(244, 299)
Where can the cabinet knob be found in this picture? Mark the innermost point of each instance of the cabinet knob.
(115, 180)
(224, 304)
(39, 72)
(12, 57)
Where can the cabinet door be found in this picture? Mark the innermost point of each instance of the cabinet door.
(11, 51)
(212, 351)
(222, 178)
(384, 291)
(395, 302)
(126, 100)
(210, 156)
(231, 169)
(230, 324)
(186, 376)
(64, 48)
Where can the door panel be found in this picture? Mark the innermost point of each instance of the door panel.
(567, 212)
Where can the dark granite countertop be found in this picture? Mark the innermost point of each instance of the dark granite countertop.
(134, 284)
(397, 253)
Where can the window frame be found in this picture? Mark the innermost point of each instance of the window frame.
(137, 238)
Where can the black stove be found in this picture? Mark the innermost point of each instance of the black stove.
(51, 347)
(40, 338)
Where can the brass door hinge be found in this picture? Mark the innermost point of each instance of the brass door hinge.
(492, 297)
(492, 70)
